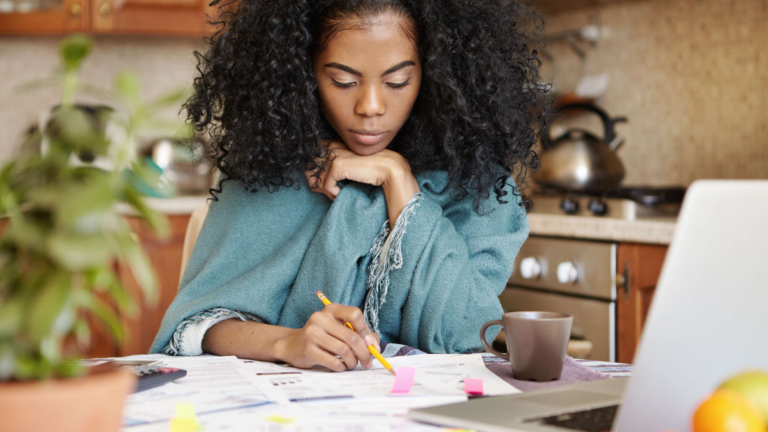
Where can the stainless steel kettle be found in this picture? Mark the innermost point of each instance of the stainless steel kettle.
(578, 160)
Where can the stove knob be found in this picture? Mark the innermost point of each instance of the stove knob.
(597, 207)
(530, 268)
(569, 206)
(567, 273)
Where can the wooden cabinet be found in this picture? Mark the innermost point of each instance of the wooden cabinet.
(159, 17)
(60, 17)
(165, 256)
(639, 268)
(142, 17)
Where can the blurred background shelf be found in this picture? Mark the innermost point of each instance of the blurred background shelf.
(129, 17)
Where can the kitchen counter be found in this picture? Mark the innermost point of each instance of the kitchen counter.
(652, 230)
(179, 205)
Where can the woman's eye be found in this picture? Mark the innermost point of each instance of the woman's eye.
(341, 84)
(398, 85)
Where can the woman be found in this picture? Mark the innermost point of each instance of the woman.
(335, 120)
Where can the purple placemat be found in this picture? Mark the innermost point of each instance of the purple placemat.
(573, 372)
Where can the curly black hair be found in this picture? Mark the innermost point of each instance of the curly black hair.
(480, 107)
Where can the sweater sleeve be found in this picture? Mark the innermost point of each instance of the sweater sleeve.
(456, 263)
(187, 340)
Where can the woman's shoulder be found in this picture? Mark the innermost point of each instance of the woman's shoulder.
(492, 214)
(238, 200)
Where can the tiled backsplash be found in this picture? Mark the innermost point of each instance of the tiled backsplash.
(162, 64)
(691, 76)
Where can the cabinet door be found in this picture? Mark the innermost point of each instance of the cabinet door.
(156, 17)
(165, 256)
(639, 268)
(53, 17)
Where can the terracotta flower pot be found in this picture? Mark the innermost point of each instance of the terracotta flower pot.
(91, 403)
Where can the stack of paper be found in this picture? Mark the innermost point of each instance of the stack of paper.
(232, 394)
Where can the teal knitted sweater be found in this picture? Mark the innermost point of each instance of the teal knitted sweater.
(439, 280)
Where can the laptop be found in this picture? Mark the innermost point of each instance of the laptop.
(708, 321)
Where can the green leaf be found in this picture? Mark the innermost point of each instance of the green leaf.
(78, 252)
(27, 232)
(157, 220)
(69, 369)
(73, 50)
(140, 266)
(122, 299)
(73, 129)
(7, 360)
(170, 99)
(128, 89)
(82, 332)
(11, 314)
(177, 129)
(49, 305)
(147, 180)
(82, 206)
(107, 316)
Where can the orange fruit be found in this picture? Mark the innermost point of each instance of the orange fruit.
(728, 411)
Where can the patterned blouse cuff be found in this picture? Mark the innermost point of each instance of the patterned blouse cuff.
(187, 340)
(386, 255)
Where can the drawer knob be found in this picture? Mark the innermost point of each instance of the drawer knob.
(567, 273)
(530, 268)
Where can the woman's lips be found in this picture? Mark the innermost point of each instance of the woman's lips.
(369, 138)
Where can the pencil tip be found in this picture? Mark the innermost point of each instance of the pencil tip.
(392, 371)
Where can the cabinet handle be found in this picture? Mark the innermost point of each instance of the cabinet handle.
(105, 9)
(622, 281)
(75, 10)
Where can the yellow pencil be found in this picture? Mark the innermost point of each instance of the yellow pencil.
(371, 348)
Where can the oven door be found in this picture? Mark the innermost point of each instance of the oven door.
(594, 321)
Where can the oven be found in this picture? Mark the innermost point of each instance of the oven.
(577, 277)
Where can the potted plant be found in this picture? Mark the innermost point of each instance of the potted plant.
(61, 235)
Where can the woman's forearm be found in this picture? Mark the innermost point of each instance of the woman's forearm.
(246, 339)
(399, 188)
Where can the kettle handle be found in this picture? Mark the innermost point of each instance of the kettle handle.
(609, 133)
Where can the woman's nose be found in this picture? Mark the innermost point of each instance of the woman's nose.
(371, 102)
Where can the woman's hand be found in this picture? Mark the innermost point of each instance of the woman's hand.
(387, 169)
(343, 164)
(325, 336)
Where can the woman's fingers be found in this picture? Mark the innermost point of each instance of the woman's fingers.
(352, 340)
(354, 316)
(339, 348)
(329, 184)
(322, 357)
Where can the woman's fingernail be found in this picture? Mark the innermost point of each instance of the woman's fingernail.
(368, 340)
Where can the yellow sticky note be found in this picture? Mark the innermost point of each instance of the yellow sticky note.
(184, 425)
(280, 419)
(185, 420)
(185, 410)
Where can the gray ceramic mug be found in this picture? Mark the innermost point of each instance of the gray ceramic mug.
(536, 343)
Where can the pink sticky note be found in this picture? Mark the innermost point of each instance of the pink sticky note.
(471, 386)
(404, 380)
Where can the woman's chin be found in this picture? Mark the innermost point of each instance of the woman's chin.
(365, 150)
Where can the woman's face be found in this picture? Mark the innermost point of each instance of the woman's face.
(368, 81)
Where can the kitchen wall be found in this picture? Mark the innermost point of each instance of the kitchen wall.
(691, 76)
(160, 63)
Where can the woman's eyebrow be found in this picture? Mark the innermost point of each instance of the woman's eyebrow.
(394, 68)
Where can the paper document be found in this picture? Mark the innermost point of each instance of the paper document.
(159, 404)
(437, 374)
(355, 415)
